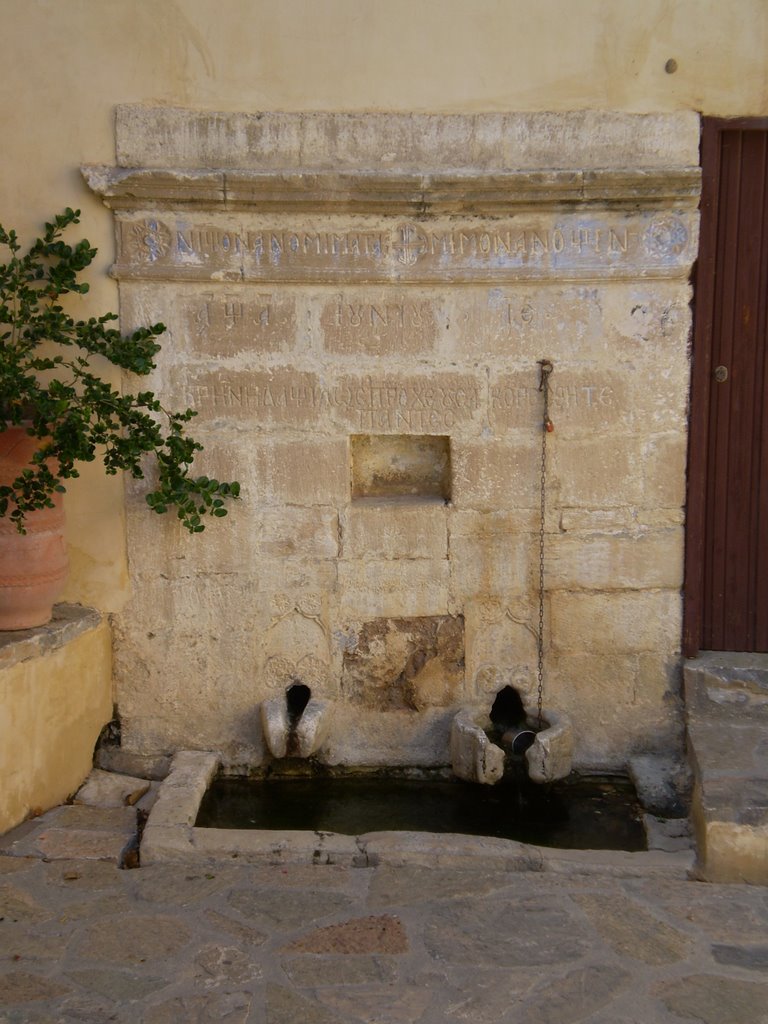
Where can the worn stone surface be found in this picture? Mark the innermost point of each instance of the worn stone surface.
(108, 789)
(284, 1006)
(474, 757)
(133, 939)
(229, 1008)
(359, 969)
(753, 958)
(404, 664)
(68, 622)
(727, 698)
(631, 930)
(384, 934)
(533, 932)
(577, 995)
(172, 137)
(551, 755)
(404, 366)
(235, 942)
(716, 1000)
(273, 909)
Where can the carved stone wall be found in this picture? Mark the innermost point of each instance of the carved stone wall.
(355, 308)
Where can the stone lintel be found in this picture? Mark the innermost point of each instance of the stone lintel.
(470, 192)
(162, 136)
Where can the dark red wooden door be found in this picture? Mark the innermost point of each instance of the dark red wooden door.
(728, 534)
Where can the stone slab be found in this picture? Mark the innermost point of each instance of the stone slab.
(69, 621)
(162, 136)
(562, 246)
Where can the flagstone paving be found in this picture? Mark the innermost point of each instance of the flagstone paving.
(83, 942)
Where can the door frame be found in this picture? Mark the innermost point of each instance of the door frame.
(703, 279)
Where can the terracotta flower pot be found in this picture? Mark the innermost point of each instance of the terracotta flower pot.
(33, 566)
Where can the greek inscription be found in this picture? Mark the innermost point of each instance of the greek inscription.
(378, 324)
(229, 312)
(564, 396)
(526, 244)
(364, 403)
(373, 315)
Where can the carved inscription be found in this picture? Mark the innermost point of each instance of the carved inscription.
(580, 399)
(379, 324)
(229, 321)
(365, 404)
(566, 245)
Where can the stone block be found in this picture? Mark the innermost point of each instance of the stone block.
(600, 472)
(599, 694)
(621, 561)
(178, 800)
(375, 738)
(494, 476)
(595, 520)
(193, 605)
(525, 323)
(106, 789)
(219, 322)
(664, 464)
(662, 783)
(279, 396)
(473, 757)
(380, 588)
(406, 528)
(500, 649)
(488, 560)
(580, 400)
(303, 472)
(160, 544)
(291, 532)
(729, 852)
(647, 318)
(616, 621)
(378, 322)
(172, 137)
(409, 403)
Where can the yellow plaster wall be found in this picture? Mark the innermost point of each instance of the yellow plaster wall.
(67, 64)
(52, 708)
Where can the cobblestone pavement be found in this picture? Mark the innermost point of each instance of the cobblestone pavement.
(82, 941)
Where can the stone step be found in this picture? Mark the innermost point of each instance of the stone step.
(727, 731)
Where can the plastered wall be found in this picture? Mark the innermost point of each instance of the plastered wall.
(67, 65)
(55, 696)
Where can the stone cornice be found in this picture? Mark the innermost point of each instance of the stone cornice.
(465, 192)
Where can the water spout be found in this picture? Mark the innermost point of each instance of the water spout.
(296, 725)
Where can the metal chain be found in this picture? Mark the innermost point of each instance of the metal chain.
(546, 428)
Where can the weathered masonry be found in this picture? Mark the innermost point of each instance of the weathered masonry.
(356, 305)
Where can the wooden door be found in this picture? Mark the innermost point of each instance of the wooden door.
(727, 538)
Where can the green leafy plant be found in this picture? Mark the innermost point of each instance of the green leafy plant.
(61, 399)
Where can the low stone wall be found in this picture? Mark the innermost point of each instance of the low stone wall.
(55, 697)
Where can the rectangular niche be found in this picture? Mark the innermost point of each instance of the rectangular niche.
(414, 466)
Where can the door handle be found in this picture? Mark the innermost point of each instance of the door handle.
(721, 374)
